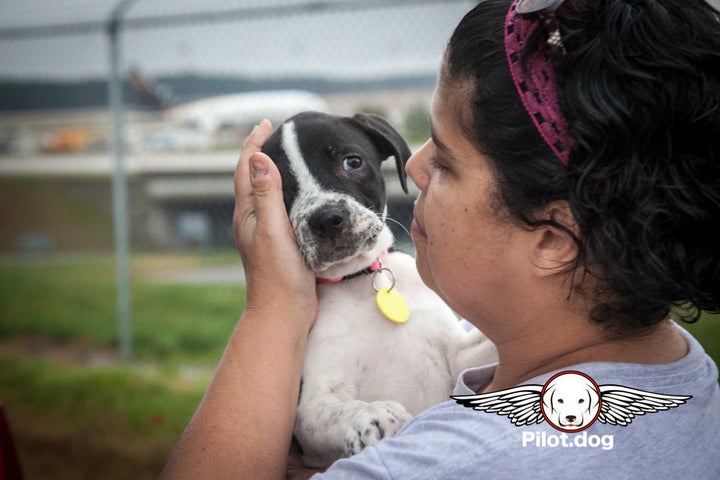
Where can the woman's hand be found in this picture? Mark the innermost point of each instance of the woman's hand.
(274, 267)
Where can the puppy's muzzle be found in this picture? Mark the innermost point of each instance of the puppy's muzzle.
(334, 231)
(340, 229)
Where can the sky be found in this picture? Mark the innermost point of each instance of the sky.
(380, 39)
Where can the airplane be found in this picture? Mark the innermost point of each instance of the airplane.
(212, 113)
(215, 121)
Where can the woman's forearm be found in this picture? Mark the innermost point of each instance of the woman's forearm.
(243, 427)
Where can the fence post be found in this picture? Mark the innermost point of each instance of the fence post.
(119, 184)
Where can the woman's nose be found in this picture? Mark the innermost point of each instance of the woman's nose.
(416, 166)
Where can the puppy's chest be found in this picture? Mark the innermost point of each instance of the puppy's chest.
(350, 306)
(383, 360)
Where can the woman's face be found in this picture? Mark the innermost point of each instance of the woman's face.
(468, 251)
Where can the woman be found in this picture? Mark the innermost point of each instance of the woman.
(570, 198)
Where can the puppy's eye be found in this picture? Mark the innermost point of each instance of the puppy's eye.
(352, 162)
(582, 400)
(560, 400)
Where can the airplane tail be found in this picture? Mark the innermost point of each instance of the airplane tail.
(146, 94)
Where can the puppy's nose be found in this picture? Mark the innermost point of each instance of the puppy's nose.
(328, 222)
(570, 418)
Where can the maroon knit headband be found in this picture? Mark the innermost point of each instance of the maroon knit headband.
(534, 76)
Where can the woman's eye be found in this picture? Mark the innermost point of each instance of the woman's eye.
(352, 162)
(436, 164)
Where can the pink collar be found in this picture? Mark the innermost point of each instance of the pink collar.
(376, 265)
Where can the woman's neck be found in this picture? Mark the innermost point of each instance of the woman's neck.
(531, 355)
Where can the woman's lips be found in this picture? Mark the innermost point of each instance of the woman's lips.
(416, 229)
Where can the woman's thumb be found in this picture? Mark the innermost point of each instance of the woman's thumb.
(266, 187)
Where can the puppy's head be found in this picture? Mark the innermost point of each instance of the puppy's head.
(333, 186)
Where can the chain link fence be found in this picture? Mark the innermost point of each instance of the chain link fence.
(194, 78)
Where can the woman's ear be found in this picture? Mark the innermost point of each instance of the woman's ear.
(557, 240)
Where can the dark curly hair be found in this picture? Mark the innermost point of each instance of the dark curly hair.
(639, 85)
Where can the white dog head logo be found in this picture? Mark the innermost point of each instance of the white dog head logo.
(571, 401)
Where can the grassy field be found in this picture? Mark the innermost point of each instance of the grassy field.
(75, 409)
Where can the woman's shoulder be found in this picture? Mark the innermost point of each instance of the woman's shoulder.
(694, 374)
(450, 440)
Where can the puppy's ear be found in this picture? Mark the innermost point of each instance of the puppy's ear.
(387, 140)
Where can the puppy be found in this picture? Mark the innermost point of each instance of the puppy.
(367, 371)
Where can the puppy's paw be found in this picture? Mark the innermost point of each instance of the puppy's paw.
(373, 423)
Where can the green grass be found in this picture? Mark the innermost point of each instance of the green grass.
(71, 421)
(73, 299)
(75, 409)
(63, 300)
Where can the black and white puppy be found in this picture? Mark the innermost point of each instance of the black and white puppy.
(364, 375)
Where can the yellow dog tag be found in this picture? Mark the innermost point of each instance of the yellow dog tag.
(392, 305)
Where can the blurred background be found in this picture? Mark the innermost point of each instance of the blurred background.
(120, 126)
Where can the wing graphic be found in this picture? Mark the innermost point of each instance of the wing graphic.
(621, 404)
(520, 404)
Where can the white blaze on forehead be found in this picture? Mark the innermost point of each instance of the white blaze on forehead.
(365, 225)
(306, 182)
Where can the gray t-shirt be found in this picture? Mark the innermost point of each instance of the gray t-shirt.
(450, 441)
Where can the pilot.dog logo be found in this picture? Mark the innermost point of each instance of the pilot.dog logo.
(571, 401)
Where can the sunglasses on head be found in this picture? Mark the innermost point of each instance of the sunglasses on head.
(544, 11)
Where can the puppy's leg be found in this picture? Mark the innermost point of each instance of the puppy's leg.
(320, 426)
(331, 424)
(374, 422)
